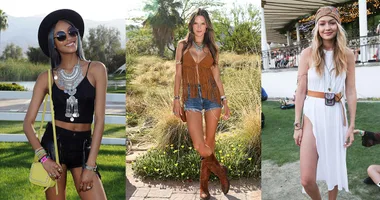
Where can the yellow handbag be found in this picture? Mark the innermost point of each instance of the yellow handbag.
(38, 175)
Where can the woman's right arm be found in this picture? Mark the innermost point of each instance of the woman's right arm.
(301, 93)
(39, 91)
(177, 80)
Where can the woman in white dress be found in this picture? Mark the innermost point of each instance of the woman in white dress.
(326, 77)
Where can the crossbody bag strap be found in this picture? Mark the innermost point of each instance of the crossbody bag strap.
(42, 118)
(53, 124)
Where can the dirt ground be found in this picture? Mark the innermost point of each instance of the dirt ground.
(284, 183)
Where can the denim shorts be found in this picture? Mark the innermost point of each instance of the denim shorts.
(199, 103)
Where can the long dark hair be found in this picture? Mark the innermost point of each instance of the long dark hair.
(55, 57)
(209, 37)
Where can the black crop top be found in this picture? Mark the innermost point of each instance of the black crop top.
(86, 102)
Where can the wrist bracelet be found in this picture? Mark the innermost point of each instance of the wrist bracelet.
(222, 98)
(90, 167)
(39, 149)
(44, 159)
(176, 97)
(361, 133)
(40, 153)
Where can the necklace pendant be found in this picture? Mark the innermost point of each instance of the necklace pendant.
(198, 47)
(329, 89)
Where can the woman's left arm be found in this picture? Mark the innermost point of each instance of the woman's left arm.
(351, 95)
(216, 73)
(101, 82)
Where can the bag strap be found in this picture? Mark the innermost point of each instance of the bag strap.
(43, 117)
(53, 124)
(53, 118)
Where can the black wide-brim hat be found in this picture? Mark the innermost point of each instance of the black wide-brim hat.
(53, 18)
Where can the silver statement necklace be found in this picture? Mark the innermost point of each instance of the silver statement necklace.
(198, 47)
(70, 82)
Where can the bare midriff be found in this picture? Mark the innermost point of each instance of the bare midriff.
(73, 126)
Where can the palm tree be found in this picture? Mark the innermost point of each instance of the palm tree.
(163, 18)
(3, 23)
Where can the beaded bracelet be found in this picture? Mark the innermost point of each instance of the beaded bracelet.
(39, 149)
(40, 153)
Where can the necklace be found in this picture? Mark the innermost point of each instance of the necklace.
(70, 82)
(329, 70)
(198, 47)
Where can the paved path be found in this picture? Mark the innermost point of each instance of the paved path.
(282, 83)
(136, 189)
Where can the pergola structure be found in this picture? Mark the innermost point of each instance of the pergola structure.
(276, 15)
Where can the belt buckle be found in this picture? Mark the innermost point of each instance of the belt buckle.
(329, 99)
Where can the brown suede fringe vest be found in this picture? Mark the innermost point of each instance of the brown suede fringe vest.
(207, 82)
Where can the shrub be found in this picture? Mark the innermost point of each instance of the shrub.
(11, 87)
(183, 162)
(12, 70)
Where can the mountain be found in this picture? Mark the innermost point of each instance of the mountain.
(23, 31)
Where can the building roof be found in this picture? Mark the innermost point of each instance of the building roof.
(278, 14)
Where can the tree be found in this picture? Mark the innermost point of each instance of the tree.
(241, 33)
(12, 51)
(36, 55)
(163, 19)
(102, 44)
(3, 23)
(117, 60)
(140, 41)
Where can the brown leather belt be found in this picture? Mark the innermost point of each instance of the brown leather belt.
(322, 96)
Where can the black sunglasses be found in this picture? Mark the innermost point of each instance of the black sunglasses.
(61, 35)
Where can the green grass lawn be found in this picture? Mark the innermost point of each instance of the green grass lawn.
(278, 144)
(16, 159)
(15, 127)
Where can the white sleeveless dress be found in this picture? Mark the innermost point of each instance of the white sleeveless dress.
(328, 128)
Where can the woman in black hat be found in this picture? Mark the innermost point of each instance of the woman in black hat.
(78, 91)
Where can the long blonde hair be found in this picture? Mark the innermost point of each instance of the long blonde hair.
(340, 47)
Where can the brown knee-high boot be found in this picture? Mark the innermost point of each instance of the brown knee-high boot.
(204, 177)
(219, 170)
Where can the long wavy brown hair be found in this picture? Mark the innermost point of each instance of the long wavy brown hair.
(209, 37)
(340, 47)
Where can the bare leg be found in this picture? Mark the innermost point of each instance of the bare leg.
(212, 118)
(333, 194)
(308, 161)
(51, 193)
(97, 190)
(374, 173)
(194, 124)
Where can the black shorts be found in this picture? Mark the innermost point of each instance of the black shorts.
(73, 146)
